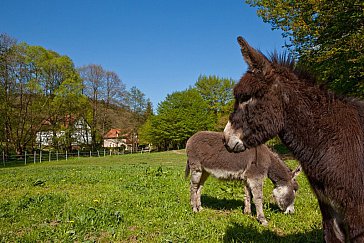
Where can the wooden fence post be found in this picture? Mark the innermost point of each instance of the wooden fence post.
(25, 158)
(4, 158)
(35, 155)
(66, 155)
(40, 156)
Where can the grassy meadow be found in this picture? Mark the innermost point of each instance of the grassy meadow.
(139, 198)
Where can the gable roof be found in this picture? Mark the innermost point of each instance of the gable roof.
(114, 133)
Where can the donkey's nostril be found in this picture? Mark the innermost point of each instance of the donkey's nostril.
(235, 146)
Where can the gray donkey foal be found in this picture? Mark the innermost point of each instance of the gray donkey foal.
(207, 155)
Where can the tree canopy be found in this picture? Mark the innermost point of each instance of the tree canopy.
(203, 107)
(36, 85)
(326, 37)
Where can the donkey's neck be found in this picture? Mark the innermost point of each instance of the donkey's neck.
(315, 121)
(278, 172)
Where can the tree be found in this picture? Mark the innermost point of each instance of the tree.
(218, 93)
(7, 64)
(326, 36)
(36, 85)
(93, 77)
(148, 110)
(62, 88)
(114, 94)
(136, 100)
(137, 104)
(115, 90)
(179, 116)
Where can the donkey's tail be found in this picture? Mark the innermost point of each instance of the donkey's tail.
(187, 170)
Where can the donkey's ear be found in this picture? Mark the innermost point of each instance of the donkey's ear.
(254, 58)
(296, 172)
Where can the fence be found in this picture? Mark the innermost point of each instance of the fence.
(42, 156)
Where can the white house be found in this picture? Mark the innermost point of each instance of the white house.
(80, 133)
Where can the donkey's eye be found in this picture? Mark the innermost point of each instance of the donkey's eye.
(244, 98)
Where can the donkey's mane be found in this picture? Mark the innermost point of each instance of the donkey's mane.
(286, 60)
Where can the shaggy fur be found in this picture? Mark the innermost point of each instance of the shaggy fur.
(207, 155)
(324, 132)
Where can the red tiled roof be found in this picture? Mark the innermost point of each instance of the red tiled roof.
(67, 119)
(114, 133)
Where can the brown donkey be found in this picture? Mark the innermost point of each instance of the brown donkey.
(208, 155)
(324, 132)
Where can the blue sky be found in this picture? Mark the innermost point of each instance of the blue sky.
(159, 46)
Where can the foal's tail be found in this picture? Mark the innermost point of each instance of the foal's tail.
(187, 170)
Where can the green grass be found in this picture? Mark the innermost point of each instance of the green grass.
(139, 198)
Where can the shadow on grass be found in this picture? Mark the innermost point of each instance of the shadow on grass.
(241, 233)
(231, 204)
(221, 204)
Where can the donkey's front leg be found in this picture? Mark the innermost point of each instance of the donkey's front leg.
(330, 225)
(256, 187)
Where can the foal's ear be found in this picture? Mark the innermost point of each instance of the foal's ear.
(254, 58)
(296, 172)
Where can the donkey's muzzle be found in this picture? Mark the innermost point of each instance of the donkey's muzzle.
(234, 144)
(232, 141)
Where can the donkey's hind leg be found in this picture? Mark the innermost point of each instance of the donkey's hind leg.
(203, 178)
(256, 187)
(197, 180)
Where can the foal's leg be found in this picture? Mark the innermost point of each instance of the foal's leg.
(256, 187)
(247, 198)
(195, 182)
(203, 178)
(198, 178)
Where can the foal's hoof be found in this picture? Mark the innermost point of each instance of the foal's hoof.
(247, 211)
(263, 222)
(196, 209)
